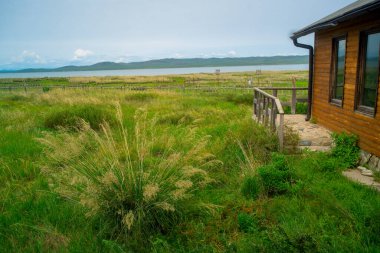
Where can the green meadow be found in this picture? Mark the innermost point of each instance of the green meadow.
(114, 170)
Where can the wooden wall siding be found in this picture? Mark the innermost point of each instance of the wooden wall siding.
(344, 118)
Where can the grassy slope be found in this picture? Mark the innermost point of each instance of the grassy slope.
(327, 212)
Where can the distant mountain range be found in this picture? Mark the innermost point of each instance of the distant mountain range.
(176, 63)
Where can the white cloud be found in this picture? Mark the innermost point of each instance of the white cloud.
(231, 53)
(80, 54)
(178, 56)
(28, 57)
(126, 58)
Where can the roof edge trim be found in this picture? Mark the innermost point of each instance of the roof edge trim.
(334, 21)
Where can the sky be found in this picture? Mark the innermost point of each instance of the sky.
(52, 33)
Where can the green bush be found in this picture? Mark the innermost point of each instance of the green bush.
(252, 187)
(246, 222)
(328, 164)
(276, 176)
(71, 117)
(45, 89)
(346, 149)
(301, 108)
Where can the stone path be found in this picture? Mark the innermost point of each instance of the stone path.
(318, 138)
(312, 136)
(356, 175)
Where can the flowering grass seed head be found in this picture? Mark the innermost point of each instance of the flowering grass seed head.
(121, 177)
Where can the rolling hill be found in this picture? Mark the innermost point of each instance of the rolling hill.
(176, 63)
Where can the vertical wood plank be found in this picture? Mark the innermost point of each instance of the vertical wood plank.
(294, 96)
(281, 132)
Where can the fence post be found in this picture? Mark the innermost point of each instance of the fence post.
(294, 96)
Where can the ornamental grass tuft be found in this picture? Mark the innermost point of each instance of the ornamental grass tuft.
(120, 176)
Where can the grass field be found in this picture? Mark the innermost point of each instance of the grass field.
(169, 172)
(265, 78)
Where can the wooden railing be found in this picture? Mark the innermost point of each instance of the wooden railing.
(294, 99)
(265, 110)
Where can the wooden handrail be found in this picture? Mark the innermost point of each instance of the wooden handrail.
(266, 107)
(283, 88)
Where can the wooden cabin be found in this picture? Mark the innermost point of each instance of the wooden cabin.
(344, 72)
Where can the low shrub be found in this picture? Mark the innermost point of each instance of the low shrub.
(246, 222)
(71, 117)
(251, 187)
(276, 177)
(346, 149)
(45, 89)
(327, 163)
(272, 179)
(123, 180)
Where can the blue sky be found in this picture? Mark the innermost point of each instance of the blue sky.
(51, 33)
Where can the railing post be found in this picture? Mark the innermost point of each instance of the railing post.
(258, 107)
(274, 114)
(281, 132)
(294, 96)
(266, 107)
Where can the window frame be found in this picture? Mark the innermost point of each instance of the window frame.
(363, 109)
(333, 69)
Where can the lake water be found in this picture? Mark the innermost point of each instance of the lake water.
(155, 72)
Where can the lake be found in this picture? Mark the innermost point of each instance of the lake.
(155, 72)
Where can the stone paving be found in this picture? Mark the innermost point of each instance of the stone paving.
(318, 138)
(312, 136)
(357, 176)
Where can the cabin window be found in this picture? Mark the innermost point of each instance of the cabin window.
(369, 72)
(338, 67)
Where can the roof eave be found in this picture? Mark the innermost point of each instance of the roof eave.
(334, 22)
(313, 29)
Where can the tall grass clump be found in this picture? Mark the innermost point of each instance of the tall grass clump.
(139, 183)
(255, 142)
(71, 117)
